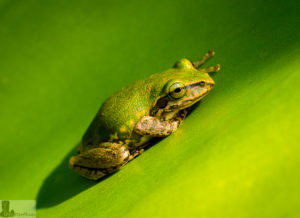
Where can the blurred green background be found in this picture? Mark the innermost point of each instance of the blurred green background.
(236, 155)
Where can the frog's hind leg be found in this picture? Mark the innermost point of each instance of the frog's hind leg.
(205, 58)
(97, 162)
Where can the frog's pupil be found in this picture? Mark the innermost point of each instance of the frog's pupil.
(177, 90)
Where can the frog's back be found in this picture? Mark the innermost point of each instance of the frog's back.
(118, 115)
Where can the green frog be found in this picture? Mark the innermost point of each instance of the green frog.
(152, 107)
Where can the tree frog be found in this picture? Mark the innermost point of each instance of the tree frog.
(152, 107)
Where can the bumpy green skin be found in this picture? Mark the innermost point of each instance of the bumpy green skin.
(151, 107)
(119, 114)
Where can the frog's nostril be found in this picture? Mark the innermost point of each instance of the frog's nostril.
(211, 85)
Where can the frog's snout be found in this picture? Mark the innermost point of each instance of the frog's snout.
(211, 85)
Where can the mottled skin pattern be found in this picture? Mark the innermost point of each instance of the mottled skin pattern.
(151, 107)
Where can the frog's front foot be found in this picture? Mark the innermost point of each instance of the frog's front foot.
(98, 162)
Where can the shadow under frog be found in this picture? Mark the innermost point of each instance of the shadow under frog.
(62, 183)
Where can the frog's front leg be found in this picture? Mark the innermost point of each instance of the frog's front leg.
(100, 161)
(156, 127)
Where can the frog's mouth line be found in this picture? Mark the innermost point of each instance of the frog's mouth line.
(187, 103)
(190, 102)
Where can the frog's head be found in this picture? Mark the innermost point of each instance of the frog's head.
(183, 85)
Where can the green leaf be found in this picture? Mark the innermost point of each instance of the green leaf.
(237, 153)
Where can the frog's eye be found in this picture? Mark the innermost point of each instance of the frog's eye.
(202, 83)
(177, 90)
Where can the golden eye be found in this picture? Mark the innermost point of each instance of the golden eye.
(177, 90)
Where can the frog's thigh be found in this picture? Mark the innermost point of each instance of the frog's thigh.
(98, 162)
(154, 127)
